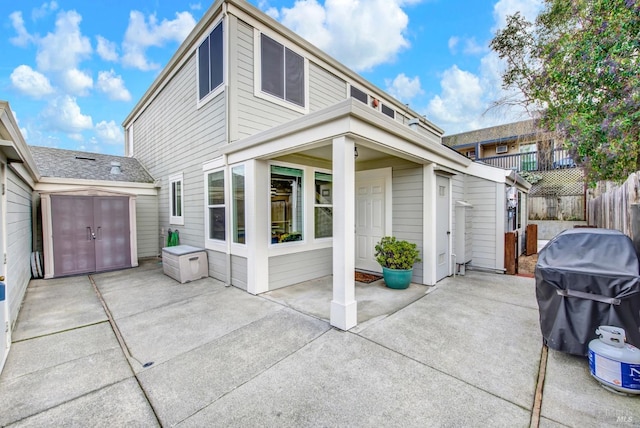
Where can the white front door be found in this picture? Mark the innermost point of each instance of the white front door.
(442, 227)
(370, 219)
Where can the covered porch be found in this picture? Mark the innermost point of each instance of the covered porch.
(347, 142)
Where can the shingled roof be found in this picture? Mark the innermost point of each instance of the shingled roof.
(61, 163)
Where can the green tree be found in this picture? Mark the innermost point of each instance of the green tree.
(578, 67)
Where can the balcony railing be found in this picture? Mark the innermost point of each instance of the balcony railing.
(536, 161)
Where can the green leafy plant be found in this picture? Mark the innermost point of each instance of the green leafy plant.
(290, 237)
(395, 254)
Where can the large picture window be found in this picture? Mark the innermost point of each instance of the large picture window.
(215, 205)
(323, 208)
(237, 184)
(282, 71)
(286, 204)
(210, 62)
(176, 203)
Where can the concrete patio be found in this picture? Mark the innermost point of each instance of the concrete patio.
(464, 353)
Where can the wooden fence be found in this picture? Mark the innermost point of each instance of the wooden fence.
(609, 205)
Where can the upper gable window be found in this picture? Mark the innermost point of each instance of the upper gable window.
(282, 71)
(210, 62)
(389, 111)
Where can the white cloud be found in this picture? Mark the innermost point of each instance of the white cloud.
(23, 38)
(404, 88)
(465, 98)
(360, 37)
(195, 6)
(30, 82)
(106, 49)
(76, 82)
(527, 8)
(63, 114)
(113, 85)
(453, 44)
(141, 34)
(44, 10)
(109, 132)
(65, 47)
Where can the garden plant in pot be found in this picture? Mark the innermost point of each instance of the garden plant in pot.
(397, 259)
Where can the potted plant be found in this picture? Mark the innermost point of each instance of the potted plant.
(397, 259)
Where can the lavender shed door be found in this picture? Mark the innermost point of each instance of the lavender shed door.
(90, 233)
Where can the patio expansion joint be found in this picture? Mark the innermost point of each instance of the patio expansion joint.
(258, 374)
(53, 333)
(123, 347)
(442, 372)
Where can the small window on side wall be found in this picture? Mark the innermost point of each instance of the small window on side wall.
(237, 189)
(286, 204)
(176, 200)
(323, 209)
(282, 72)
(359, 95)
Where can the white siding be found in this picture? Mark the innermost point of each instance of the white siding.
(217, 265)
(408, 209)
(19, 241)
(148, 233)
(457, 194)
(325, 89)
(173, 136)
(482, 195)
(299, 267)
(239, 272)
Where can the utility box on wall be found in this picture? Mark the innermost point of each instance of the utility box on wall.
(185, 263)
(463, 241)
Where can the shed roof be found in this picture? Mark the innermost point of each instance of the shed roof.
(60, 163)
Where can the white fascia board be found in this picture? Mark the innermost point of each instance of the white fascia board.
(17, 142)
(487, 172)
(49, 185)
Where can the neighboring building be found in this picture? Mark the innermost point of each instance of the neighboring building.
(287, 166)
(558, 191)
(96, 212)
(18, 176)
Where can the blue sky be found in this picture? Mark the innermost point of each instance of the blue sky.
(73, 69)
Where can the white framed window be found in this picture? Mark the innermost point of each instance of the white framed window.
(216, 207)
(323, 205)
(210, 64)
(359, 95)
(287, 204)
(238, 204)
(388, 111)
(176, 199)
(281, 73)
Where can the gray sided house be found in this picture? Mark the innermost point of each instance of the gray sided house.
(287, 166)
(18, 176)
(98, 212)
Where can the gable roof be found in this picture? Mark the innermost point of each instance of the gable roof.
(59, 163)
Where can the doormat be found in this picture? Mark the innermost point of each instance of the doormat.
(366, 278)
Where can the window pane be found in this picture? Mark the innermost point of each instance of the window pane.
(272, 63)
(203, 68)
(216, 223)
(286, 204)
(237, 182)
(215, 57)
(294, 78)
(216, 188)
(388, 111)
(358, 94)
(323, 222)
(176, 201)
(324, 189)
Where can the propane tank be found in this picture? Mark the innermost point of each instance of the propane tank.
(613, 362)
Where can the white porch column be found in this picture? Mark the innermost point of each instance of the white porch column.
(257, 225)
(344, 310)
(429, 229)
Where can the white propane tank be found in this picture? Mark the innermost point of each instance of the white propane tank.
(613, 362)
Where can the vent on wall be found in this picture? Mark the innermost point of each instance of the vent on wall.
(502, 149)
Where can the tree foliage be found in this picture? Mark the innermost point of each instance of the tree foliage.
(578, 67)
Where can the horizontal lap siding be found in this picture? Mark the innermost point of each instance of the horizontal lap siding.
(457, 194)
(173, 136)
(19, 241)
(325, 89)
(147, 225)
(239, 272)
(482, 195)
(217, 265)
(294, 268)
(408, 209)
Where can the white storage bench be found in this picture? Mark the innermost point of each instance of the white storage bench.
(185, 263)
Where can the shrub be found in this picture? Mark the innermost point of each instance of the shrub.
(394, 254)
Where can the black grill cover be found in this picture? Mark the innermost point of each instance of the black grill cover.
(586, 278)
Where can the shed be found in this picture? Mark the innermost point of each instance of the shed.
(96, 211)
